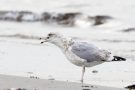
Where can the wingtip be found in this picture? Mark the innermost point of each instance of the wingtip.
(118, 58)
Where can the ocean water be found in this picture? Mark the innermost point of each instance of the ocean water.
(21, 51)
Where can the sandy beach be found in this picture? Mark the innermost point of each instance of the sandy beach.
(7, 82)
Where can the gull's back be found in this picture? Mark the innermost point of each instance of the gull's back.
(87, 51)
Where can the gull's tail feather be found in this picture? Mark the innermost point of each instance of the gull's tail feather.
(130, 87)
(118, 58)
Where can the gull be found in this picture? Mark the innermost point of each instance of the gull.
(81, 53)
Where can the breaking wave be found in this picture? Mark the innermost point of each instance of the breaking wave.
(66, 19)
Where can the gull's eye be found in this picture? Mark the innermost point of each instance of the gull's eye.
(47, 37)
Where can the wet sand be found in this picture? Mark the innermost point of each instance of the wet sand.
(7, 82)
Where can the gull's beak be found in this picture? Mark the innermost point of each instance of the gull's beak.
(117, 58)
(45, 40)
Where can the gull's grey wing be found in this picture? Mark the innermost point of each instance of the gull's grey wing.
(86, 51)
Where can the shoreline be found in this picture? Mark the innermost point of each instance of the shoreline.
(8, 82)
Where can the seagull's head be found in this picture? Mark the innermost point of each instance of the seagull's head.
(51, 37)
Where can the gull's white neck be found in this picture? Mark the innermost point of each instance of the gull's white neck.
(62, 42)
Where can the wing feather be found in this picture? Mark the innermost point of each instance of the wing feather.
(86, 51)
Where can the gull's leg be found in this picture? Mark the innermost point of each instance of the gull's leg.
(83, 71)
